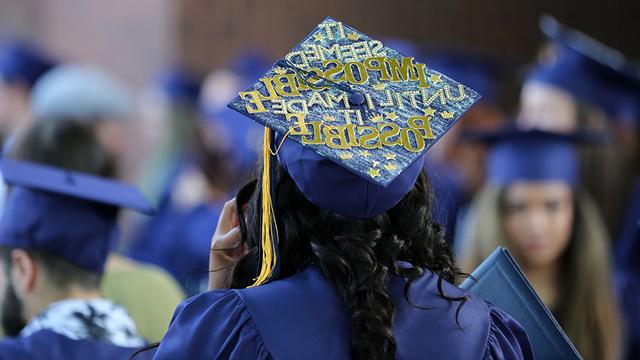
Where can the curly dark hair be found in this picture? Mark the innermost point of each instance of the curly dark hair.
(356, 255)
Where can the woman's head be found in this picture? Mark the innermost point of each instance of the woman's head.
(577, 243)
(301, 223)
(356, 255)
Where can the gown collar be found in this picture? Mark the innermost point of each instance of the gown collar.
(82, 319)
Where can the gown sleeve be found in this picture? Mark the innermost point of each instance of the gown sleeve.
(507, 339)
(213, 325)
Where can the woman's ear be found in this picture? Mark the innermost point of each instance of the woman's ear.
(24, 272)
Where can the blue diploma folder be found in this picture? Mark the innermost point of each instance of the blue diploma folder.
(499, 280)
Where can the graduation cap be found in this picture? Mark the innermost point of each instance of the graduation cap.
(64, 213)
(480, 71)
(588, 69)
(250, 64)
(20, 62)
(533, 155)
(179, 85)
(350, 119)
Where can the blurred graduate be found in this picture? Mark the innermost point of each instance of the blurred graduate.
(101, 104)
(55, 236)
(21, 66)
(534, 205)
(627, 245)
(456, 167)
(222, 150)
(579, 83)
(196, 180)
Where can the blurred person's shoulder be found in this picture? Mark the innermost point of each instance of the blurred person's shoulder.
(48, 345)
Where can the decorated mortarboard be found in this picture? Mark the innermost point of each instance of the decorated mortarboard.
(355, 101)
(64, 213)
(587, 69)
(351, 121)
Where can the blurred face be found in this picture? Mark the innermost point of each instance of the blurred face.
(547, 107)
(112, 134)
(11, 307)
(13, 100)
(120, 140)
(538, 220)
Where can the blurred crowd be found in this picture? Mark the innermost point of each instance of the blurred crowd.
(556, 182)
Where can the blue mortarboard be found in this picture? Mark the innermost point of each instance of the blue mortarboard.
(352, 119)
(242, 137)
(19, 62)
(80, 92)
(533, 155)
(404, 46)
(250, 64)
(588, 69)
(481, 72)
(64, 213)
(180, 86)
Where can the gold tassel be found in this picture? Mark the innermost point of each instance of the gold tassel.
(268, 243)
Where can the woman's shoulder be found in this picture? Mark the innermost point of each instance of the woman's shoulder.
(461, 323)
(507, 338)
(215, 324)
(288, 317)
(304, 314)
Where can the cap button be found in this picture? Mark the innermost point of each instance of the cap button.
(356, 99)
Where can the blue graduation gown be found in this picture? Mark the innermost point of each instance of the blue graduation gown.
(449, 196)
(47, 345)
(627, 276)
(179, 241)
(303, 317)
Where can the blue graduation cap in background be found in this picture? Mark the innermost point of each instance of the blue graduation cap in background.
(64, 213)
(404, 46)
(20, 62)
(243, 137)
(250, 64)
(533, 155)
(479, 71)
(588, 69)
(350, 119)
(180, 86)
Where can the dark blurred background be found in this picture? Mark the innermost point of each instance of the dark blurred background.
(135, 39)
